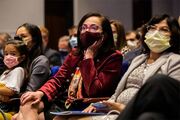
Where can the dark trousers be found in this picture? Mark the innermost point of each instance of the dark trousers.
(158, 99)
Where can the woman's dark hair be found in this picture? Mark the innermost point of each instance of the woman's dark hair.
(174, 29)
(107, 31)
(121, 39)
(35, 32)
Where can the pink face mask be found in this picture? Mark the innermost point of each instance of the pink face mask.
(11, 61)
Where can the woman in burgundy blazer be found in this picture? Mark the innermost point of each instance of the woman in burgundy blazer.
(96, 59)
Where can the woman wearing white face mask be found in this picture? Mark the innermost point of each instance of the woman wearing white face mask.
(39, 69)
(118, 34)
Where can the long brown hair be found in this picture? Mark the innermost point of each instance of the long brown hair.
(121, 39)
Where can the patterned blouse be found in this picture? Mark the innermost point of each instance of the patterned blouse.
(134, 83)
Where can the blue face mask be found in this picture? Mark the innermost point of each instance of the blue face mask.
(73, 41)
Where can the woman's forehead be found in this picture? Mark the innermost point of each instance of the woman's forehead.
(22, 30)
(162, 23)
(93, 20)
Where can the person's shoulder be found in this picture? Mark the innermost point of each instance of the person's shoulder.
(75, 52)
(174, 56)
(40, 59)
(136, 51)
(140, 57)
(112, 55)
(51, 52)
(18, 69)
(116, 53)
(40, 63)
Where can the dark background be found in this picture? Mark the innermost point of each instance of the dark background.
(59, 17)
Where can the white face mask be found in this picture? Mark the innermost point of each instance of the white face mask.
(115, 35)
(26, 41)
(156, 41)
(73, 41)
(132, 44)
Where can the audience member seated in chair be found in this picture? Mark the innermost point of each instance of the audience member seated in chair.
(4, 37)
(138, 49)
(162, 45)
(135, 43)
(64, 47)
(51, 54)
(95, 63)
(162, 57)
(158, 99)
(118, 34)
(162, 34)
(38, 65)
(12, 79)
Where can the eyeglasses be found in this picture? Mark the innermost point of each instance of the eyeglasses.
(163, 30)
(91, 28)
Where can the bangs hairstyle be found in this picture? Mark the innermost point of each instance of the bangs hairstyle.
(174, 29)
(22, 49)
(107, 31)
(20, 46)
